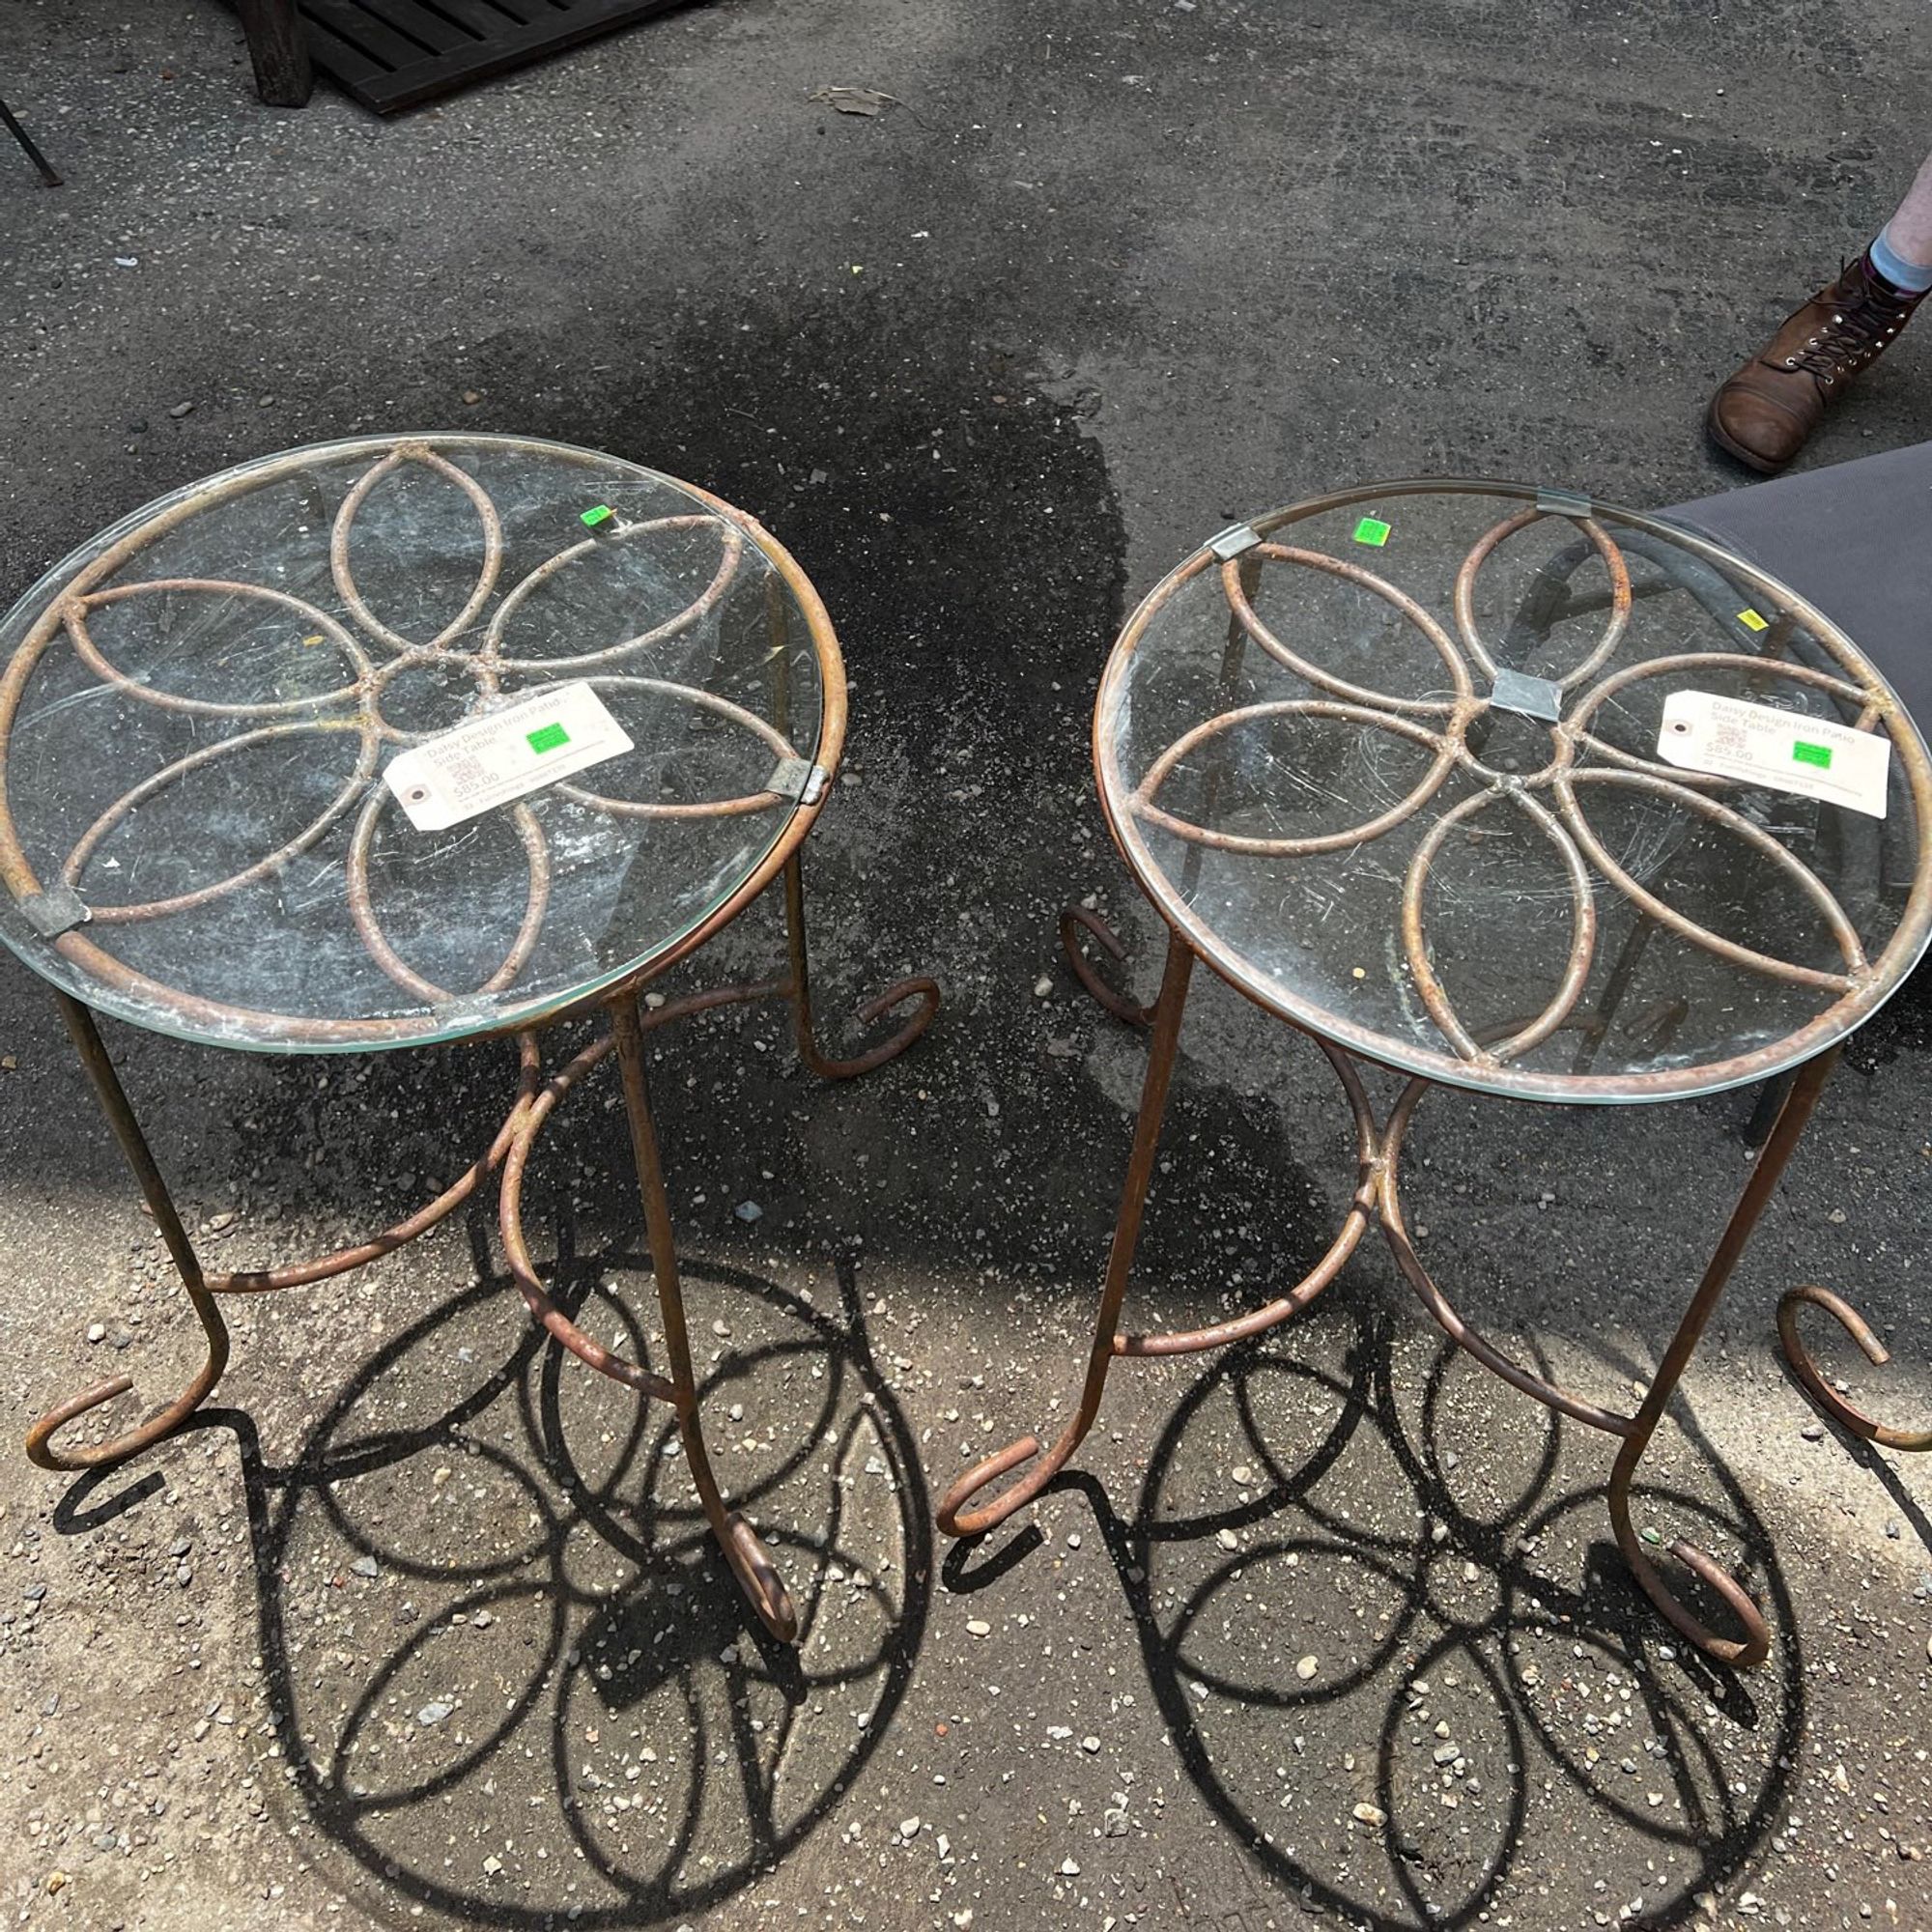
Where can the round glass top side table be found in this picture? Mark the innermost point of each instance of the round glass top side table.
(400, 741)
(1503, 790)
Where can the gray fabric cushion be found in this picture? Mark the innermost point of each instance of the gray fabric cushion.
(1856, 539)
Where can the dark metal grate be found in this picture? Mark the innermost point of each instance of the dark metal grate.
(393, 54)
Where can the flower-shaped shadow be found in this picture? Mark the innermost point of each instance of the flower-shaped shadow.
(258, 670)
(1410, 1686)
(509, 1670)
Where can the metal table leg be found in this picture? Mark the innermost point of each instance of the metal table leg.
(126, 1128)
(953, 1518)
(1378, 1198)
(757, 1576)
(1844, 1414)
(509, 1154)
(750, 1561)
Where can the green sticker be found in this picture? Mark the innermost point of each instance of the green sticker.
(1373, 532)
(1813, 754)
(549, 738)
(601, 514)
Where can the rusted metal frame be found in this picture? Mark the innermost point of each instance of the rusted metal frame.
(1845, 1414)
(302, 1274)
(1324, 680)
(1447, 745)
(1583, 931)
(1762, 1184)
(1861, 990)
(1075, 920)
(777, 628)
(1362, 1210)
(1637, 1431)
(1465, 595)
(1388, 1205)
(1858, 972)
(925, 990)
(1380, 1151)
(510, 1151)
(69, 611)
(1247, 570)
(202, 1286)
(954, 1518)
(113, 1098)
(414, 450)
(751, 1563)
(1623, 970)
(731, 553)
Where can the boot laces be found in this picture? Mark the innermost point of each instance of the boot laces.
(1858, 328)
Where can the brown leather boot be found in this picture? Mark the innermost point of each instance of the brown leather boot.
(1763, 415)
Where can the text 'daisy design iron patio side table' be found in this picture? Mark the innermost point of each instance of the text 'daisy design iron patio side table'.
(1505, 791)
(396, 742)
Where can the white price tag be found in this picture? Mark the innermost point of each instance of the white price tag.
(503, 754)
(1784, 750)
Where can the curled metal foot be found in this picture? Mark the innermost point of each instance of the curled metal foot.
(1818, 1388)
(1074, 921)
(129, 1442)
(1756, 1645)
(757, 1576)
(924, 991)
(955, 1520)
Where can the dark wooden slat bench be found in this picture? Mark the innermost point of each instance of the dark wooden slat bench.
(393, 54)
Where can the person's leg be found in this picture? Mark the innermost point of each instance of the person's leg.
(1764, 412)
(1903, 251)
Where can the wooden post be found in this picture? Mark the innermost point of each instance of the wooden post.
(283, 78)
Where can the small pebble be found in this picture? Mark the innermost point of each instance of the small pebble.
(1227, 1538)
(181, 410)
(1371, 1814)
(909, 1828)
(1042, 987)
(978, 1627)
(366, 1565)
(434, 1712)
(749, 1211)
(1090, 1744)
(1306, 1668)
(1813, 1431)
(96, 1331)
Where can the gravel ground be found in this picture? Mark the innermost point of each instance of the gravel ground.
(421, 1628)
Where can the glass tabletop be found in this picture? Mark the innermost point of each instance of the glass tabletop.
(616, 701)
(1517, 791)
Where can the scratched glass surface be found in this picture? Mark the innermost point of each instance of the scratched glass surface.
(196, 709)
(1301, 741)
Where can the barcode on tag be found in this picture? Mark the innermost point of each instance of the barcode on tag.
(1758, 744)
(504, 754)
